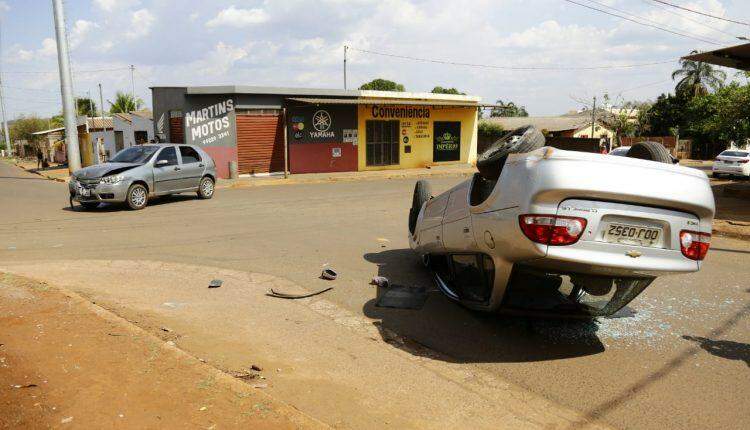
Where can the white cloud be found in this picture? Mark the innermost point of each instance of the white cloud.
(141, 22)
(112, 5)
(4, 6)
(221, 59)
(233, 17)
(49, 48)
(80, 30)
(193, 16)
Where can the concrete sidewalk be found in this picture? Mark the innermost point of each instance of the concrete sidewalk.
(459, 170)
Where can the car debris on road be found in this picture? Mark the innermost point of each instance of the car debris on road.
(279, 295)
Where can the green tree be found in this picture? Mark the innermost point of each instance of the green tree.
(441, 90)
(23, 127)
(124, 103)
(510, 110)
(382, 85)
(697, 78)
(86, 107)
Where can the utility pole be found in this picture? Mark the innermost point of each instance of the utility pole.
(346, 48)
(101, 101)
(66, 88)
(593, 118)
(8, 148)
(132, 84)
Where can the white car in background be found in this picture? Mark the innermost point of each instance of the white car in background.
(540, 230)
(732, 162)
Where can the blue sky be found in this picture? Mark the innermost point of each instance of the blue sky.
(300, 43)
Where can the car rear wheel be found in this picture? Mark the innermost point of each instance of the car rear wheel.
(525, 139)
(422, 193)
(206, 188)
(137, 197)
(653, 151)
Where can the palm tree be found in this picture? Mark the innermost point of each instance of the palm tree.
(697, 78)
(125, 103)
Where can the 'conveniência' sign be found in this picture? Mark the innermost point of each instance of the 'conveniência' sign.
(207, 125)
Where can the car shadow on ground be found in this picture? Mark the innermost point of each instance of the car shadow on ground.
(117, 207)
(447, 331)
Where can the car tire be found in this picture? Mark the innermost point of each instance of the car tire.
(422, 193)
(206, 188)
(137, 197)
(89, 205)
(653, 151)
(490, 162)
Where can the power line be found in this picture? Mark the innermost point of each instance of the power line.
(649, 20)
(642, 23)
(30, 72)
(527, 68)
(700, 13)
(701, 23)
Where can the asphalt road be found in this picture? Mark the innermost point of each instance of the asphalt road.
(681, 361)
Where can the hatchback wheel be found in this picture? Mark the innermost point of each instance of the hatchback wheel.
(206, 188)
(137, 197)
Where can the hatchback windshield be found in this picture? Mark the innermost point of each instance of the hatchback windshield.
(135, 154)
(734, 154)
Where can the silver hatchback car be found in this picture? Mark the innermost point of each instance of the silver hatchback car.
(137, 173)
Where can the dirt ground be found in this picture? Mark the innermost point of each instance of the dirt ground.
(64, 365)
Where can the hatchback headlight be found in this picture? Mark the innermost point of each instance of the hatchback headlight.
(111, 179)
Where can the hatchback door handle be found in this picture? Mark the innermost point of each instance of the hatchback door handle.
(177, 168)
(201, 165)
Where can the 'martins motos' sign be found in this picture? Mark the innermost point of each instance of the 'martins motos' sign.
(206, 122)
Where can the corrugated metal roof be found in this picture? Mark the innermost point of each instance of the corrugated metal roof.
(52, 130)
(549, 123)
(375, 101)
(737, 57)
(288, 91)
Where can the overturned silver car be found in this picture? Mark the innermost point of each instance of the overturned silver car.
(540, 230)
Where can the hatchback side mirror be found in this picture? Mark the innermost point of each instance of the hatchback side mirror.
(161, 163)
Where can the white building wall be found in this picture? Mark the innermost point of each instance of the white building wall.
(143, 124)
(128, 139)
(109, 140)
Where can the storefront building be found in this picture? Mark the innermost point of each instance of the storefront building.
(265, 129)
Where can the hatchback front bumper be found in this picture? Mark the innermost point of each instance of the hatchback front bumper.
(98, 192)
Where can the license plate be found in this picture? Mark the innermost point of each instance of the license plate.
(85, 192)
(632, 234)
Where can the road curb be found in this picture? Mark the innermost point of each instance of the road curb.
(295, 181)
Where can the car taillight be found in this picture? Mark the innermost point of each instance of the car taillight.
(552, 229)
(743, 161)
(694, 245)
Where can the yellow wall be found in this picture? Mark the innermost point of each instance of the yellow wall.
(420, 134)
(86, 149)
(599, 132)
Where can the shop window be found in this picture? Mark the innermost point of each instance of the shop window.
(382, 143)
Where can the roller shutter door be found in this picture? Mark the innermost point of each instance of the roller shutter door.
(176, 132)
(260, 144)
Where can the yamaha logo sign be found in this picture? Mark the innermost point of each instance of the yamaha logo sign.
(321, 122)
